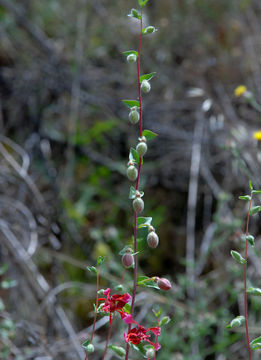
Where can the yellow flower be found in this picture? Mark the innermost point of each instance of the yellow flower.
(240, 90)
(257, 135)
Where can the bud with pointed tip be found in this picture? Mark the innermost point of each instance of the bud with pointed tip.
(152, 239)
(132, 173)
(127, 258)
(141, 148)
(145, 86)
(132, 58)
(138, 205)
(134, 116)
(163, 284)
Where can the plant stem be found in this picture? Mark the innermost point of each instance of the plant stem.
(245, 281)
(108, 339)
(157, 337)
(137, 187)
(95, 313)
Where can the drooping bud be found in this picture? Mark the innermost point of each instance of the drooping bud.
(89, 348)
(132, 58)
(138, 205)
(150, 29)
(145, 86)
(141, 148)
(134, 116)
(132, 173)
(150, 353)
(152, 239)
(163, 284)
(127, 258)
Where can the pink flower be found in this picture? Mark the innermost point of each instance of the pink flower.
(139, 333)
(114, 303)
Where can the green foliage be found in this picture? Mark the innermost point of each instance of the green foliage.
(149, 135)
(131, 103)
(147, 76)
(238, 257)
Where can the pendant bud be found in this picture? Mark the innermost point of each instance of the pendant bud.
(132, 173)
(145, 86)
(127, 258)
(138, 205)
(152, 240)
(134, 116)
(132, 58)
(163, 284)
(141, 148)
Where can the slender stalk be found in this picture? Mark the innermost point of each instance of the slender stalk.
(95, 313)
(107, 340)
(157, 337)
(137, 187)
(245, 282)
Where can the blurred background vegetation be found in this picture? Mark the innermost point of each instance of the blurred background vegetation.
(65, 138)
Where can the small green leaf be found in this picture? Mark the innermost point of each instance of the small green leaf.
(238, 257)
(139, 348)
(130, 52)
(157, 313)
(118, 350)
(7, 284)
(131, 103)
(134, 156)
(250, 239)
(135, 14)
(143, 3)
(147, 76)
(147, 282)
(256, 343)
(250, 185)
(85, 344)
(254, 291)
(255, 210)
(100, 260)
(238, 321)
(164, 321)
(245, 197)
(256, 191)
(144, 221)
(3, 269)
(149, 135)
(127, 308)
(92, 269)
(132, 193)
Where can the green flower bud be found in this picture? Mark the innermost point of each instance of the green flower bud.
(152, 240)
(134, 116)
(141, 148)
(145, 86)
(138, 205)
(150, 353)
(89, 348)
(150, 29)
(132, 58)
(132, 173)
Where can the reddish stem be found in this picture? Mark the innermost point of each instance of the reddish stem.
(245, 282)
(108, 339)
(157, 337)
(137, 187)
(95, 313)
